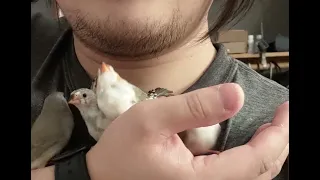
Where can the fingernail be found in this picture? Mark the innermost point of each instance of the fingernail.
(231, 95)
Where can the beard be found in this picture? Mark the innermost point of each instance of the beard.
(128, 38)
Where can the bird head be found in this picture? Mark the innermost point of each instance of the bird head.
(82, 97)
(114, 94)
(108, 79)
(106, 73)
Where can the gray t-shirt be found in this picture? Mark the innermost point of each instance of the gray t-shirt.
(54, 67)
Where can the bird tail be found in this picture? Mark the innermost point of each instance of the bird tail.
(44, 158)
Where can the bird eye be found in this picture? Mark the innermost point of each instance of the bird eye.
(84, 95)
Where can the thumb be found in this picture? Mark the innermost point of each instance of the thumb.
(171, 115)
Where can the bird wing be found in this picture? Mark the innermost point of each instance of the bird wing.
(141, 95)
(52, 129)
(152, 94)
(43, 138)
(94, 84)
(40, 145)
(159, 92)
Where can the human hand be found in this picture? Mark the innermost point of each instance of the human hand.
(143, 143)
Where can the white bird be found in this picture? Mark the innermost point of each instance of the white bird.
(116, 95)
(201, 140)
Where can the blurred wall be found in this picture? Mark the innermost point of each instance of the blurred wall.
(273, 13)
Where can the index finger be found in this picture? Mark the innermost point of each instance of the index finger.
(272, 141)
(254, 158)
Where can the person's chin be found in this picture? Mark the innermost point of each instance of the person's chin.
(128, 48)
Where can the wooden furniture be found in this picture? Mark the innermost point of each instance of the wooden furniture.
(281, 58)
(270, 55)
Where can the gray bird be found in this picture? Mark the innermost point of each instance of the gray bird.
(51, 131)
(86, 102)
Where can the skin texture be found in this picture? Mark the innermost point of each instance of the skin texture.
(146, 146)
(132, 45)
(133, 28)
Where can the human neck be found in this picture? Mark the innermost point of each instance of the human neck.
(176, 70)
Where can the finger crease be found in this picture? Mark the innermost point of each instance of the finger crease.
(266, 165)
(195, 106)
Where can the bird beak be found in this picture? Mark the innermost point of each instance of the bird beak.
(74, 100)
(105, 67)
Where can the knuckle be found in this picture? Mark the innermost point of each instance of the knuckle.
(141, 115)
(284, 132)
(266, 165)
(195, 106)
(140, 108)
(145, 129)
(278, 166)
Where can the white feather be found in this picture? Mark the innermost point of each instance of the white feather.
(200, 140)
(114, 95)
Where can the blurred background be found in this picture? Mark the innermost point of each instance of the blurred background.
(273, 13)
(260, 39)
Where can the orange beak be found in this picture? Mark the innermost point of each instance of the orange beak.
(105, 67)
(74, 99)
